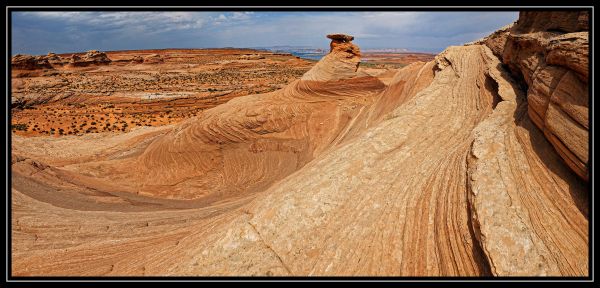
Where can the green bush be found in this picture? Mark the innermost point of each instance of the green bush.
(19, 127)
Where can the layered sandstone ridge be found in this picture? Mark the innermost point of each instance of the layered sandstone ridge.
(28, 62)
(438, 172)
(250, 142)
(548, 52)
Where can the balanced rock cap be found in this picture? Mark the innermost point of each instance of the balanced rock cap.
(340, 37)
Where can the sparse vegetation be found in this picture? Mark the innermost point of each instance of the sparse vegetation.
(70, 113)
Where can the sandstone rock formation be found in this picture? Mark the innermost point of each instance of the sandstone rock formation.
(28, 62)
(137, 59)
(548, 52)
(341, 62)
(342, 41)
(216, 154)
(92, 57)
(439, 172)
(153, 59)
(55, 59)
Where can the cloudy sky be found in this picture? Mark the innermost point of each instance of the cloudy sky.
(62, 32)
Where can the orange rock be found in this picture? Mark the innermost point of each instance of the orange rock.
(439, 172)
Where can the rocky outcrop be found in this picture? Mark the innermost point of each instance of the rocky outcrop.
(548, 52)
(137, 59)
(339, 39)
(153, 59)
(55, 59)
(92, 57)
(517, 187)
(251, 57)
(341, 62)
(250, 142)
(28, 62)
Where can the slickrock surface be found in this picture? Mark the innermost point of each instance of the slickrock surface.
(249, 142)
(549, 51)
(436, 171)
(528, 208)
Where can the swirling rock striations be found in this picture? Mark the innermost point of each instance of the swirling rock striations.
(440, 172)
(248, 143)
(548, 52)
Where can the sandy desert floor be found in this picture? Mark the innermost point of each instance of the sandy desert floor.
(126, 94)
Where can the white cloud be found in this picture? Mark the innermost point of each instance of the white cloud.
(151, 22)
(400, 29)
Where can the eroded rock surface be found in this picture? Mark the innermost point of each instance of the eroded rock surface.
(28, 62)
(440, 171)
(92, 57)
(548, 52)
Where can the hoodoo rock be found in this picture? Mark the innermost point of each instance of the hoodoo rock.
(342, 42)
(341, 63)
(340, 37)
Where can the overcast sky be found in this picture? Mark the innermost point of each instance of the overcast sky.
(62, 32)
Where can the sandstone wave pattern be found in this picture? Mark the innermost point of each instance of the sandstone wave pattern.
(439, 170)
